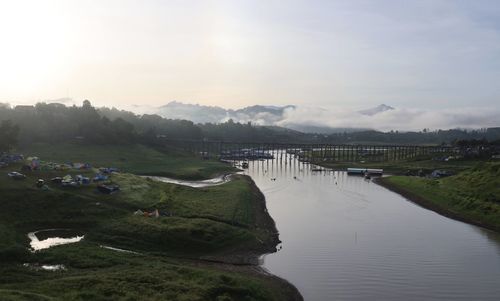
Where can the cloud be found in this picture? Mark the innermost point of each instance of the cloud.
(397, 119)
(304, 118)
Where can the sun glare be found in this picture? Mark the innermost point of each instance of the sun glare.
(34, 50)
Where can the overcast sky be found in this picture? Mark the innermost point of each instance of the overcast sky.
(408, 54)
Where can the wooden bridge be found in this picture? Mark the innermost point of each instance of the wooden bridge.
(308, 152)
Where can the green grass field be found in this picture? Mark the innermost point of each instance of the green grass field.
(401, 167)
(213, 221)
(94, 273)
(473, 195)
(135, 158)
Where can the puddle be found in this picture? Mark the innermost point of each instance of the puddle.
(45, 267)
(196, 184)
(118, 250)
(53, 267)
(44, 239)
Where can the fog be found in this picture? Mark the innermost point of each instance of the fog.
(403, 119)
(303, 118)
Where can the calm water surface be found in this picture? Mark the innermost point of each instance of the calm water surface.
(346, 238)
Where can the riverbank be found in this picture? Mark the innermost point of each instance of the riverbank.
(472, 196)
(402, 167)
(204, 245)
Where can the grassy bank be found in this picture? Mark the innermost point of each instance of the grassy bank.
(472, 196)
(227, 223)
(94, 273)
(134, 158)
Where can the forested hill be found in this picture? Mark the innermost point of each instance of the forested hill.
(59, 123)
(86, 124)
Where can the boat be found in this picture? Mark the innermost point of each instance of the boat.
(318, 169)
(363, 171)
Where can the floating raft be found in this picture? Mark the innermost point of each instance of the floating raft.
(363, 171)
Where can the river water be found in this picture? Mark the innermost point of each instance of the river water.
(346, 238)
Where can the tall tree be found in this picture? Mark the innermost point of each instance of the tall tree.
(8, 135)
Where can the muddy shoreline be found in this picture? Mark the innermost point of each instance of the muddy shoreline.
(423, 202)
(247, 260)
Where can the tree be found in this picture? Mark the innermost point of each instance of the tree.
(8, 135)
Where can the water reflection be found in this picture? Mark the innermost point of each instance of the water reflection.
(346, 238)
(45, 267)
(197, 184)
(45, 239)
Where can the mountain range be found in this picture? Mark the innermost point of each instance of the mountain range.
(258, 114)
(263, 115)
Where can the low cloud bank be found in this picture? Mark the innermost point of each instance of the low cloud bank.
(397, 119)
(402, 119)
(331, 118)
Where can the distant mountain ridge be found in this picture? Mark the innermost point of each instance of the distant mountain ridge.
(325, 130)
(257, 114)
(264, 115)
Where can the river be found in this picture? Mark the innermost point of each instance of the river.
(346, 238)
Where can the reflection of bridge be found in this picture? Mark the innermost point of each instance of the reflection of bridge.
(308, 152)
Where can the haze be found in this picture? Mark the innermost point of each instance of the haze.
(429, 55)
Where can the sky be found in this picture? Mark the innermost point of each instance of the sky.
(417, 55)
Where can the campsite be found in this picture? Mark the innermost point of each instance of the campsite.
(186, 244)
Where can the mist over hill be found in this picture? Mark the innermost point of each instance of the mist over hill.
(329, 120)
(55, 122)
(264, 115)
(258, 114)
(324, 120)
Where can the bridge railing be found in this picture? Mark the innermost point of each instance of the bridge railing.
(308, 152)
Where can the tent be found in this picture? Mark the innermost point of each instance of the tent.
(108, 189)
(100, 177)
(156, 214)
(83, 180)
